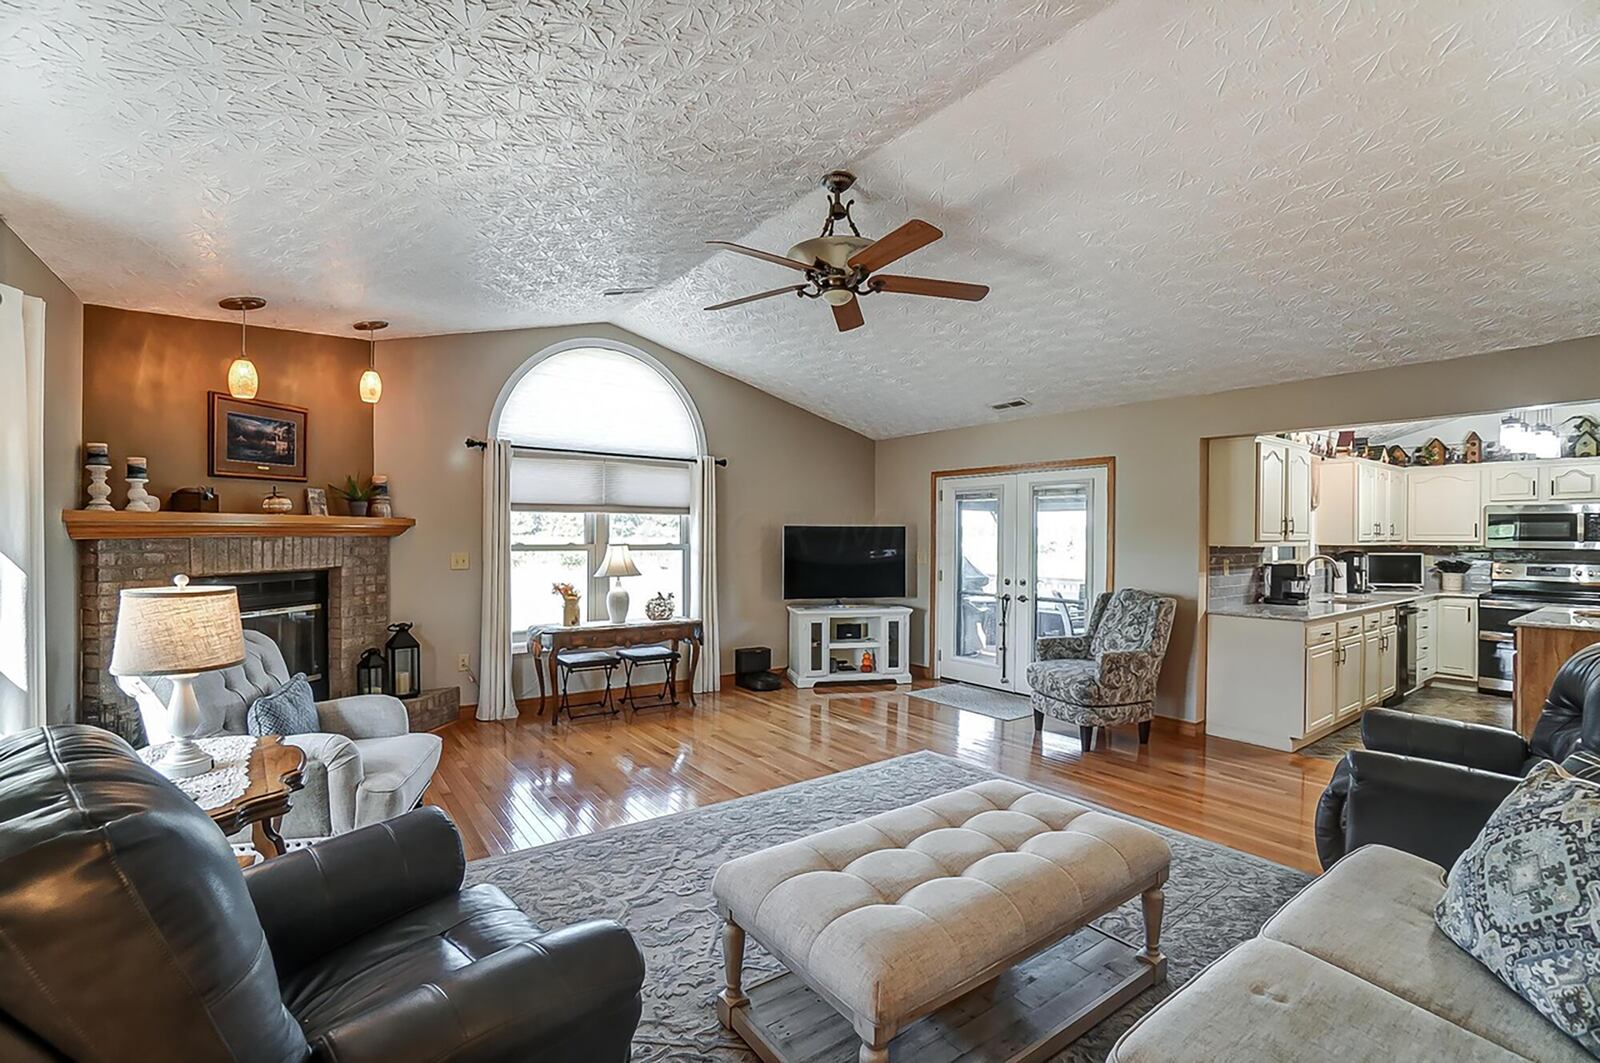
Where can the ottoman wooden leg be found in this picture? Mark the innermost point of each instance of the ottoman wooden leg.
(1154, 901)
(869, 1054)
(732, 995)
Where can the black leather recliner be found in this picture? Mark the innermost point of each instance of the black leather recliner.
(1427, 786)
(127, 931)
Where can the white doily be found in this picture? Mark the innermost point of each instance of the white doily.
(227, 779)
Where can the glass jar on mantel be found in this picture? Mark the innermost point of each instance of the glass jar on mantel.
(405, 662)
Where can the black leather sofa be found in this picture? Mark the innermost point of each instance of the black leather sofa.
(1427, 786)
(127, 931)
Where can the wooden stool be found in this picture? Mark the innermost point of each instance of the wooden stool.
(570, 661)
(667, 656)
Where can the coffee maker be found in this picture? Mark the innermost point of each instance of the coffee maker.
(1286, 583)
(1353, 563)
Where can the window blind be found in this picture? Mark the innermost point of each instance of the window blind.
(588, 485)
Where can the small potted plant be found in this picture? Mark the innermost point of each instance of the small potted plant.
(569, 603)
(354, 494)
(1451, 571)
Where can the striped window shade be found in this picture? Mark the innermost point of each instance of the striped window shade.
(588, 485)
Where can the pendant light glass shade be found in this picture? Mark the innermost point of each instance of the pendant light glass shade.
(243, 379)
(371, 386)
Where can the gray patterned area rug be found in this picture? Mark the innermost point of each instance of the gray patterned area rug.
(655, 878)
(996, 704)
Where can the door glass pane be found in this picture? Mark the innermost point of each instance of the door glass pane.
(1061, 559)
(977, 575)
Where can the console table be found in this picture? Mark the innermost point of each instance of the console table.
(546, 642)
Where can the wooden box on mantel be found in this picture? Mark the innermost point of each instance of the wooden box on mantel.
(432, 709)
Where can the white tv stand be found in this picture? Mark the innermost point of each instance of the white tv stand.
(817, 653)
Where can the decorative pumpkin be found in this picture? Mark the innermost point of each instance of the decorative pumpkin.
(660, 607)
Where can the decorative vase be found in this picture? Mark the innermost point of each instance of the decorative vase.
(1451, 582)
(569, 612)
(659, 608)
(357, 508)
(380, 504)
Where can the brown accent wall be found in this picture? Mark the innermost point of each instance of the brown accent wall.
(145, 379)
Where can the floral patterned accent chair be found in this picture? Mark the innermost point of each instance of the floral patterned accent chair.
(1106, 676)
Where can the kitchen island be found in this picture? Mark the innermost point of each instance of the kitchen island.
(1545, 639)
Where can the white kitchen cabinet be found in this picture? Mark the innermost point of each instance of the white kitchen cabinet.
(1396, 487)
(1371, 668)
(1513, 481)
(1321, 684)
(1259, 492)
(1349, 678)
(1456, 638)
(1444, 504)
(1388, 659)
(1362, 502)
(1577, 481)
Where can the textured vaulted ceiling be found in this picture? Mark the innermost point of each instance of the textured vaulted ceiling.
(1168, 197)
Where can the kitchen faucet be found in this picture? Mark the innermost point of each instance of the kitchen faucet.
(1331, 565)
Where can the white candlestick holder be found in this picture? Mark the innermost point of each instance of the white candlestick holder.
(99, 490)
(138, 499)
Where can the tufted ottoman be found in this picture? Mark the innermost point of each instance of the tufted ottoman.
(891, 919)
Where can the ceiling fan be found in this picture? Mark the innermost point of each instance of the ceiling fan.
(840, 268)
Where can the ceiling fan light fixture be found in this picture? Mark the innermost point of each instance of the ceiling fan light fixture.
(243, 378)
(838, 296)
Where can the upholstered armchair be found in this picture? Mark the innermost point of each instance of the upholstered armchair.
(363, 766)
(1106, 676)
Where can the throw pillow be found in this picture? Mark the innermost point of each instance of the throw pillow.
(1524, 899)
(289, 710)
(1583, 764)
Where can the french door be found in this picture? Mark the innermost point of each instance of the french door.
(1021, 556)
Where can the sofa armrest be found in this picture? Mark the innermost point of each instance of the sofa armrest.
(1425, 807)
(364, 716)
(1471, 745)
(568, 995)
(1062, 648)
(313, 900)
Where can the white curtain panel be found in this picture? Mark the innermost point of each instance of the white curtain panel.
(497, 700)
(703, 521)
(22, 703)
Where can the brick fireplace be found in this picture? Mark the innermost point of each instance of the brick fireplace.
(123, 550)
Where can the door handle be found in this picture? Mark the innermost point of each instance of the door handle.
(1022, 597)
(1005, 640)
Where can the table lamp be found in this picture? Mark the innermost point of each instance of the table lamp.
(618, 562)
(176, 633)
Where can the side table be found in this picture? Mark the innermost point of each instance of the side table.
(260, 773)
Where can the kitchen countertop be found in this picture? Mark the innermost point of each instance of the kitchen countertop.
(1561, 617)
(1326, 608)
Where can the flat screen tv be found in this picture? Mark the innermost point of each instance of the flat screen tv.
(844, 561)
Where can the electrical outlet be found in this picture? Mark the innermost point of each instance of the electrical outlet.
(463, 663)
(458, 562)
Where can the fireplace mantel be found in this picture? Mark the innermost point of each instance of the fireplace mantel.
(88, 524)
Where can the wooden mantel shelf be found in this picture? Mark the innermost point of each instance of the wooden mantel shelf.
(120, 524)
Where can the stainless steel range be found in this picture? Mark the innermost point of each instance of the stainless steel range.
(1517, 589)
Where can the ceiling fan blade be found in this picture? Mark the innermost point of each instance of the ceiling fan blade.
(896, 245)
(848, 315)
(759, 295)
(765, 256)
(890, 282)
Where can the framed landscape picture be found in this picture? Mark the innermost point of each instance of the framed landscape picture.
(257, 440)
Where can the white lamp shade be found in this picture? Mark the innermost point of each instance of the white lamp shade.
(177, 630)
(617, 562)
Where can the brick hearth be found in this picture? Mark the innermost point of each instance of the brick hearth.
(358, 600)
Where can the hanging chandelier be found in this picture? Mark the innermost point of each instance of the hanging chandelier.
(243, 380)
(371, 386)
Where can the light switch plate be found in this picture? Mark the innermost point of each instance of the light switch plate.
(458, 562)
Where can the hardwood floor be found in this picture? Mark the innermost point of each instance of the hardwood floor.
(521, 783)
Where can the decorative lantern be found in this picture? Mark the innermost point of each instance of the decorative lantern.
(405, 662)
(372, 672)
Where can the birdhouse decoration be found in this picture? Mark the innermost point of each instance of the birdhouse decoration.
(1472, 449)
(405, 662)
(372, 672)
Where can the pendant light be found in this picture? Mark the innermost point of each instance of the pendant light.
(243, 380)
(371, 386)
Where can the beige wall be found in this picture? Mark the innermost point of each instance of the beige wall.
(63, 431)
(146, 380)
(1158, 450)
(784, 466)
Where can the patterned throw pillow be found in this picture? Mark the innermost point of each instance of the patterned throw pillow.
(1524, 899)
(1583, 764)
(289, 710)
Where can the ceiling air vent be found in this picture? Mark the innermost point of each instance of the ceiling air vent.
(1009, 404)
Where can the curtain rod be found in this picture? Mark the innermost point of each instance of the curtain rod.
(480, 444)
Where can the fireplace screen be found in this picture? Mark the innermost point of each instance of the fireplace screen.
(291, 608)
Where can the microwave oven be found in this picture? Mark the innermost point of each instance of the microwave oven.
(1394, 571)
(1547, 527)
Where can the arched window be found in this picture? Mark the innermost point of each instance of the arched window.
(611, 438)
